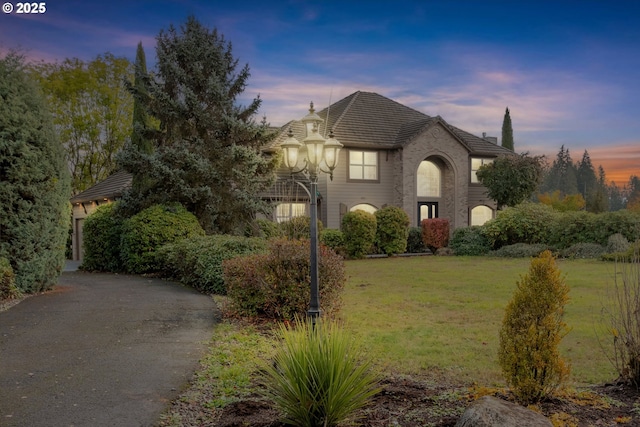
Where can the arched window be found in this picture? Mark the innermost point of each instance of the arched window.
(481, 214)
(364, 207)
(429, 179)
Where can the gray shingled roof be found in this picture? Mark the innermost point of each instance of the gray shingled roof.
(370, 120)
(113, 186)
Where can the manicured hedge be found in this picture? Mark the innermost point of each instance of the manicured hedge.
(392, 229)
(525, 223)
(276, 285)
(435, 233)
(333, 239)
(101, 240)
(359, 229)
(197, 262)
(145, 232)
(415, 244)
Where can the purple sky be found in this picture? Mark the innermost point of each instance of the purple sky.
(567, 70)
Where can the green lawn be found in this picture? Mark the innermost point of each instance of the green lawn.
(422, 313)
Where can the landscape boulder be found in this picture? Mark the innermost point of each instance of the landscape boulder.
(489, 411)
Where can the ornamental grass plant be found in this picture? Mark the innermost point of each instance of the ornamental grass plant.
(319, 375)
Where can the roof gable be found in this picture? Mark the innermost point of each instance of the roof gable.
(113, 186)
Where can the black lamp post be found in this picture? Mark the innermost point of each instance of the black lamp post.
(321, 156)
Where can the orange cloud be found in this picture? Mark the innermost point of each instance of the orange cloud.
(619, 161)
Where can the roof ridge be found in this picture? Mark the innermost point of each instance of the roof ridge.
(339, 119)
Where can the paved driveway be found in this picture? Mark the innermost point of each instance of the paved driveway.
(100, 350)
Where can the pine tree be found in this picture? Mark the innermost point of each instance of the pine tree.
(34, 181)
(141, 120)
(562, 175)
(507, 131)
(586, 180)
(207, 149)
(600, 201)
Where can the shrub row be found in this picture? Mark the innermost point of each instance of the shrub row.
(276, 284)
(115, 244)
(197, 262)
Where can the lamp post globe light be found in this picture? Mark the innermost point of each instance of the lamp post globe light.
(321, 155)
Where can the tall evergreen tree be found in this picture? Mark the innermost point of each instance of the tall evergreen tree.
(600, 198)
(34, 181)
(141, 122)
(562, 175)
(616, 198)
(507, 131)
(207, 150)
(586, 180)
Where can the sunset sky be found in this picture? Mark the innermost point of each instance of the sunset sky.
(567, 70)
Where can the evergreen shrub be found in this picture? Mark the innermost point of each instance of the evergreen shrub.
(583, 251)
(101, 240)
(145, 232)
(531, 332)
(630, 255)
(519, 250)
(197, 261)
(8, 288)
(359, 229)
(392, 229)
(319, 376)
(34, 181)
(435, 233)
(333, 239)
(415, 244)
(275, 285)
(525, 223)
(469, 241)
(269, 229)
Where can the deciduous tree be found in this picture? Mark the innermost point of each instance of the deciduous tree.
(511, 179)
(92, 112)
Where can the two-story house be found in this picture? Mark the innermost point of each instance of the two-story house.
(393, 155)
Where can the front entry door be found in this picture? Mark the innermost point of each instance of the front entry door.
(427, 210)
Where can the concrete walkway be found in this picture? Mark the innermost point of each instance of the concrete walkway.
(100, 350)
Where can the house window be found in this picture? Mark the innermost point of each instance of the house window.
(364, 207)
(481, 214)
(429, 179)
(476, 163)
(286, 211)
(363, 165)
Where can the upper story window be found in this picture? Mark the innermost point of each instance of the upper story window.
(429, 179)
(476, 163)
(363, 165)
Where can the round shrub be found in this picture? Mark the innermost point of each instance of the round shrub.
(275, 285)
(617, 243)
(101, 240)
(392, 228)
(435, 233)
(197, 262)
(359, 229)
(415, 244)
(333, 239)
(583, 251)
(525, 223)
(469, 241)
(269, 229)
(298, 228)
(145, 232)
(519, 250)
